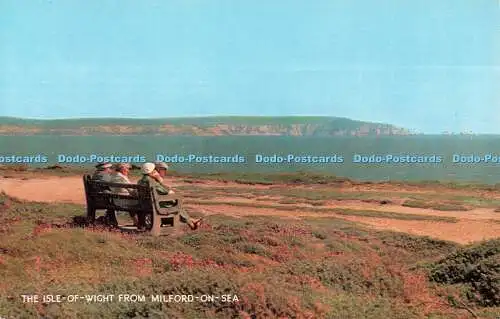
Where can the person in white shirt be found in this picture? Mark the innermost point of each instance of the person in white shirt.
(121, 176)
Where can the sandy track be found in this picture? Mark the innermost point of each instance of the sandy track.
(474, 214)
(463, 232)
(70, 189)
(54, 189)
(473, 225)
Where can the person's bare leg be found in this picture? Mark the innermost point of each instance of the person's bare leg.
(196, 223)
(192, 223)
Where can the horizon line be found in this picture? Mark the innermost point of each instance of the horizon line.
(165, 117)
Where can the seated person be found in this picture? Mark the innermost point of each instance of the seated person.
(121, 176)
(162, 168)
(103, 172)
(152, 178)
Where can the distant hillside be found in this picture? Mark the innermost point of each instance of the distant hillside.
(202, 126)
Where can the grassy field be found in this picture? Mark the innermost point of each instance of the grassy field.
(330, 188)
(310, 268)
(320, 195)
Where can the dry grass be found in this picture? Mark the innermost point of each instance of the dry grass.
(313, 268)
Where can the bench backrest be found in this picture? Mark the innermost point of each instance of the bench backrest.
(99, 196)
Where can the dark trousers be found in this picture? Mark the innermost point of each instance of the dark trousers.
(111, 217)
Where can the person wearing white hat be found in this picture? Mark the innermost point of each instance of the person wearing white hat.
(151, 177)
(147, 168)
(103, 172)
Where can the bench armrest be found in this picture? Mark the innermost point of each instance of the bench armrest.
(168, 197)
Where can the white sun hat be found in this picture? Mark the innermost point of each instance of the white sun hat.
(147, 168)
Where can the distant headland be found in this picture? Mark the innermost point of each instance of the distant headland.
(201, 126)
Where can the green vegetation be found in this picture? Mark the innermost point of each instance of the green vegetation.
(206, 120)
(470, 185)
(320, 195)
(423, 246)
(309, 177)
(312, 125)
(394, 215)
(299, 177)
(338, 211)
(317, 268)
(435, 205)
(477, 268)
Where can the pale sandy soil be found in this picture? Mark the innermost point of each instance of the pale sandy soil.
(463, 232)
(474, 225)
(474, 214)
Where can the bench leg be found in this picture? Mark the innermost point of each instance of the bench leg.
(177, 222)
(156, 229)
(91, 215)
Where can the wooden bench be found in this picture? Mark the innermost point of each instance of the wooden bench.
(153, 217)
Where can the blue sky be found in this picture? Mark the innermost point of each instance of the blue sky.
(426, 65)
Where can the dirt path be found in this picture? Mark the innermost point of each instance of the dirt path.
(473, 225)
(474, 214)
(463, 232)
(54, 189)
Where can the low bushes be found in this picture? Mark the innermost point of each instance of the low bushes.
(477, 267)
